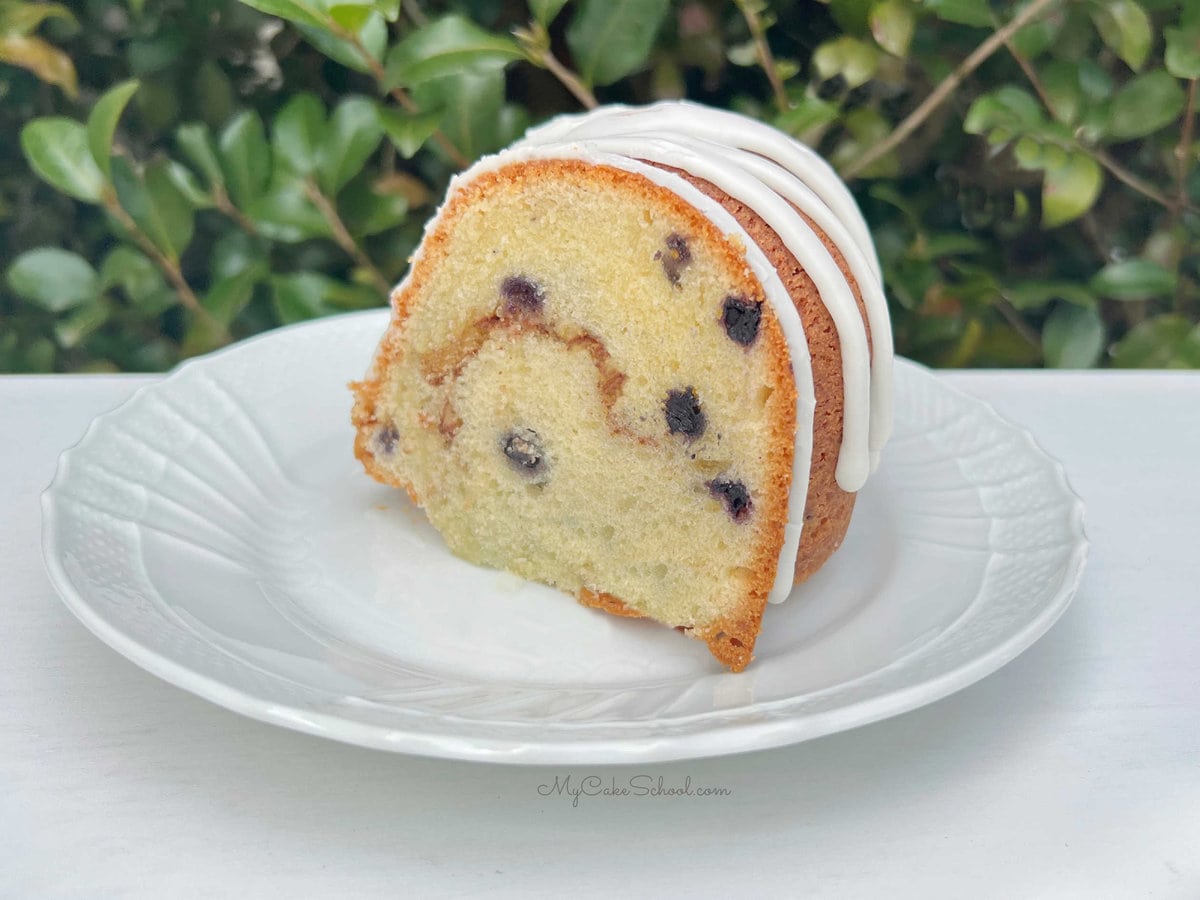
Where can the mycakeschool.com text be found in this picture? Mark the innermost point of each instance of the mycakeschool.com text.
(634, 786)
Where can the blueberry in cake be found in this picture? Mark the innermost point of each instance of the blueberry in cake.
(643, 356)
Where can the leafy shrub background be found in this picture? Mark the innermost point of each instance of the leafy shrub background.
(189, 172)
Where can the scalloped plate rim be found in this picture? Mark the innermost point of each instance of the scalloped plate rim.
(722, 738)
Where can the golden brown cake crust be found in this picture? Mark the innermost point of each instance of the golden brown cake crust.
(731, 638)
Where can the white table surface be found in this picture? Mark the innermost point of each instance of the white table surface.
(1072, 772)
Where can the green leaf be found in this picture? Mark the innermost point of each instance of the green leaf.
(1145, 104)
(1036, 294)
(1060, 80)
(1160, 342)
(408, 131)
(196, 142)
(892, 25)
(214, 93)
(307, 295)
(173, 209)
(1029, 153)
(546, 11)
(1011, 108)
(155, 204)
(744, 54)
(292, 10)
(367, 210)
(448, 46)
(297, 133)
(373, 36)
(855, 60)
(963, 12)
(935, 246)
(1038, 36)
(389, 9)
(42, 58)
(229, 296)
(1183, 52)
(1069, 189)
(1073, 337)
(54, 279)
(75, 328)
(155, 52)
(610, 39)
(511, 122)
(245, 158)
(102, 122)
(806, 116)
(1094, 80)
(224, 300)
(158, 105)
(353, 134)
(351, 16)
(285, 213)
(851, 15)
(188, 185)
(140, 280)
(24, 18)
(57, 150)
(1134, 279)
(1126, 29)
(234, 252)
(302, 296)
(472, 105)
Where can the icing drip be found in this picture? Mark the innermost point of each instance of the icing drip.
(775, 176)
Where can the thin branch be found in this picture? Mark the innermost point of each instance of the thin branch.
(169, 267)
(399, 94)
(765, 58)
(1013, 317)
(1139, 184)
(1031, 74)
(342, 236)
(569, 79)
(535, 42)
(947, 87)
(225, 205)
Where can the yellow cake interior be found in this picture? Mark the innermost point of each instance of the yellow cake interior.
(538, 395)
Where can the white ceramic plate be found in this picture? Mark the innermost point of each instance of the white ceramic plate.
(217, 530)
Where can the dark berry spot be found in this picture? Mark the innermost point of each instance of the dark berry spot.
(684, 415)
(386, 440)
(523, 448)
(521, 295)
(675, 258)
(741, 318)
(734, 495)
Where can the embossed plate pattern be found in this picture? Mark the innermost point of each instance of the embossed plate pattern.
(216, 530)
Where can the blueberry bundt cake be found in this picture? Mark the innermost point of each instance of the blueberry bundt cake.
(643, 356)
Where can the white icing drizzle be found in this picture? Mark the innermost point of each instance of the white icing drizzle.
(770, 173)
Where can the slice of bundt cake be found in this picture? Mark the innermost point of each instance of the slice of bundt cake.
(642, 356)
